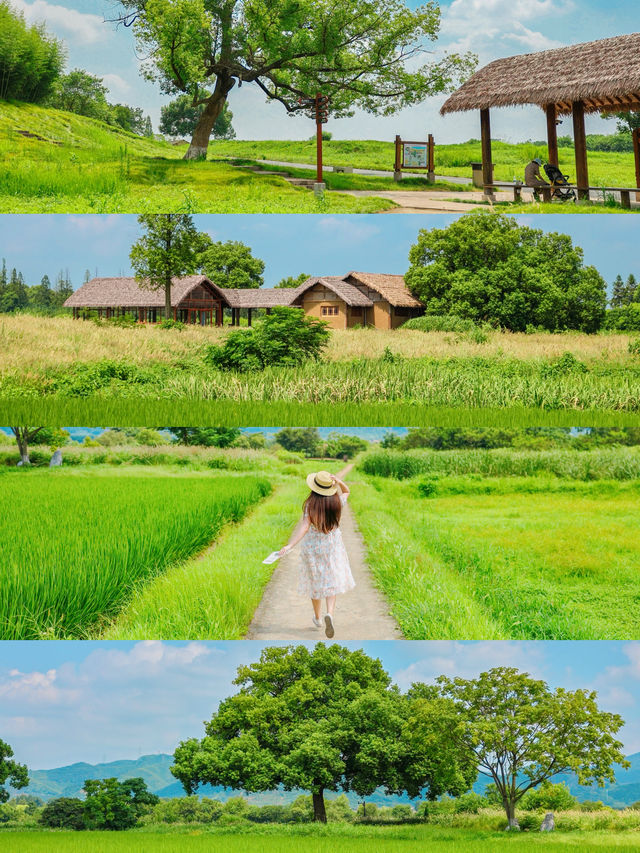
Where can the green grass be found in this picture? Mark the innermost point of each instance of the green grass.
(214, 596)
(82, 165)
(605, 168)
(314, 839)
(76, 545)
(466, 382)
(505, 558)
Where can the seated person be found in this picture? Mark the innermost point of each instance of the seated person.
(533, 178)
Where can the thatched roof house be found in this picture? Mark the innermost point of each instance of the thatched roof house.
(367, 299)
(597, 76)
(194, 299)
(358, 299)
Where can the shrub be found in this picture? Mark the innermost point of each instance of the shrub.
(549, 797)
(440, 323)
(285, 337)
(64, 813)
(565, 364)
(625, 319)
(470, 803)
(591, 806)
(170, 323)
(530, 822)
(634, 346)
(427, 488)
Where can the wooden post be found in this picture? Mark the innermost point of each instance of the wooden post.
(397, 166)
(318, 140)
(248, 316)
(431, 168)
(635, 136)
(580, 142)
(485, 136)
(552, 134)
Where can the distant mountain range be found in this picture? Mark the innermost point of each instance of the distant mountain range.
(154, 769)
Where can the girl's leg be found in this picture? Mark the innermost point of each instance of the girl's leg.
(331, 604)
(317, 607)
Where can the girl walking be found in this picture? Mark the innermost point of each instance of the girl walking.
(324, 565)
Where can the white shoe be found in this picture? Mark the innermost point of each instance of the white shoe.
(317, 622)
(328, 626)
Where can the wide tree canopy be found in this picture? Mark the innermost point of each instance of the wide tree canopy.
(519, 732)
(232, 264)
(360, 53)
(488, 268)
(318, 720)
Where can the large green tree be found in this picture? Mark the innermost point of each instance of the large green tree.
(232, 264)
(111, 804)
(360, 53)
(292, 281)
(10, 771)
(488, 268)
(519, 732)
(180, 117)
(30, 58)
(81, 93)
(326, 719)
(169, 247)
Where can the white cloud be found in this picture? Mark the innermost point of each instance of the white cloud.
(79, 25)
(346, 230)
(116, 84)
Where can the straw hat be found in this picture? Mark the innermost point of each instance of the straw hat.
(322, 483)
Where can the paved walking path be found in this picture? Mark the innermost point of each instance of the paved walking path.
(380, 173)
(361, 614)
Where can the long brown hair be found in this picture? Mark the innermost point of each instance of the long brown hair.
(324, 511)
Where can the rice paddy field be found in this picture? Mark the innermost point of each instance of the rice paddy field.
(501, 545)
(278, 839)
(77, 544)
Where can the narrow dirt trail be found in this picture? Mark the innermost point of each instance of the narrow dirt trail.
(361, 614)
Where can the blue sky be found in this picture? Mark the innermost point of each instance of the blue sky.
(62, 702)
(489, 28)
(317, 245)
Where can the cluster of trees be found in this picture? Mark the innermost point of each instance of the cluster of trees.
(624, 315)
(108, 805)
(31, 60)
(86, 95)
(180, 118)
(17, 295)
(329, 719)
(308, 441)
(31, 70)
(529, 438)
(489, 269)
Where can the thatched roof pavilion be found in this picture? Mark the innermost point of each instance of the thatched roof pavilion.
(594, 77)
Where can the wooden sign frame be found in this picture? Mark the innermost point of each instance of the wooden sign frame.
(399, 164)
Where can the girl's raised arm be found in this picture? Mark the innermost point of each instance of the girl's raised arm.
(342, 486)
(301, 530)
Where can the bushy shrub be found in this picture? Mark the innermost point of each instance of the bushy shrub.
(440, 323)
(530, 822)
(634, 346)
(170, 323)
(285, 337)
(625, 319)
(549, 797)
(64, 813)
(565, 364)
(591, 806)
(470, 803)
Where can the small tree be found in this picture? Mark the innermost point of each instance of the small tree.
(81, 93)
(618, 293)
(111, 804)
(550, 797)
(64, 813)
(231, 264)
(168, 249)
(300, 440)
(361, 53)
(519, 733)
(180, 118)
(10, 771)
(293, 281)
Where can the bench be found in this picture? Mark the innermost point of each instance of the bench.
(625, 193)
(507, 185)
(545, 192)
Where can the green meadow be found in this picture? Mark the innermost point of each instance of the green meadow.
(73, 164)
(502, 545)
(313, 839)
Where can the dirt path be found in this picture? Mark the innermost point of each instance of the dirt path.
(429, 201)
(361, 614)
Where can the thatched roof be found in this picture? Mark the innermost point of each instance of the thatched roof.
(127, 293)
(604, 74)
(390, 287)
(258, 297)
(347, 292)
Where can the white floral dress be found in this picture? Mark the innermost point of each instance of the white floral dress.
(324, 563)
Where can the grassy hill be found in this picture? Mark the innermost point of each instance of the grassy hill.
(58, 162)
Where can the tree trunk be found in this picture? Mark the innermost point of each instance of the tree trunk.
(23, 446)
(510, 809)
(167, 300)
(319, 811)
(200, 140)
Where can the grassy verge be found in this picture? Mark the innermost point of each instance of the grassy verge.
(315, 839)
(214, 595)
(506, 558)
(90, 541)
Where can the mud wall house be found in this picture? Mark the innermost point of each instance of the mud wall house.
(194, 299)
(358, 299)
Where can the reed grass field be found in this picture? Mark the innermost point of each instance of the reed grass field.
(327, 839)
(538, 551)
(76, 546)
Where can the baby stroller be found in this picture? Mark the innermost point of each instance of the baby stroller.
(559, 183)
